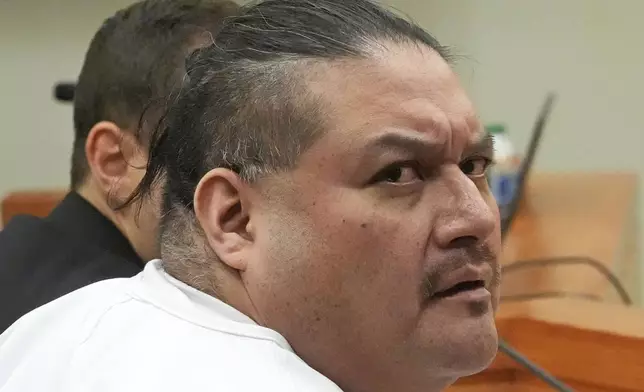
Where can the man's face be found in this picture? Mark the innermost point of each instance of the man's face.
(385, 210)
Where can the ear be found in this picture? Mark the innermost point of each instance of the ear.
(222, 206)
(114, 158)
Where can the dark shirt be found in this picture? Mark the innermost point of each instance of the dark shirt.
(42, 259)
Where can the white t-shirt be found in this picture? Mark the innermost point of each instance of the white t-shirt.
(148, 333)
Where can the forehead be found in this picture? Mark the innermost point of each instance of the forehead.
(407, 87)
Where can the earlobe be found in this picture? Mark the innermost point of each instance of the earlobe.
(223, 214)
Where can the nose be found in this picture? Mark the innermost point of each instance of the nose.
(466, 218)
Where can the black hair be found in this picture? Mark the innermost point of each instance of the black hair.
(245, 106)
(135, 60)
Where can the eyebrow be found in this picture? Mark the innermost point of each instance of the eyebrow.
(404, 142)
(485, 143)
(421, 145)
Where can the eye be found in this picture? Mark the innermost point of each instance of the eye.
(398, 173)
(475, 166)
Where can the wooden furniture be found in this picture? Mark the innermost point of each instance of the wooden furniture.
(37, 202)
(576, 214)
(591, 345)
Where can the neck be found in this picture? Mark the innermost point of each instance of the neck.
(100, 202)
(229, 287)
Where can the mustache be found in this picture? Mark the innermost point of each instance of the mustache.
(456, 259)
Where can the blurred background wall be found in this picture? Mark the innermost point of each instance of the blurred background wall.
(41, 42)
(510, 53)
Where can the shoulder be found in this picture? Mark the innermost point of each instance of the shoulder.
(42, 343)
(21, 231)
(24, 241)
(75, 310)
(26, 244)
(102, 337)
(202, 360)
(39, 264)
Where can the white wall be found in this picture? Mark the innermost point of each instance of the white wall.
(41, 43)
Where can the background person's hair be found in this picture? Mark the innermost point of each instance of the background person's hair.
(134, 61)
(245, 106)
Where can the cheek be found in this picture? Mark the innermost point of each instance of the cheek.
(359, 239)
(495, 244)
(343, 260)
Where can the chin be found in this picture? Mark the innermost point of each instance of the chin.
(464, 349)
(473, 354)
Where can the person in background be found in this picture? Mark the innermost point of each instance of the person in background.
(134, 62)
(327, 224)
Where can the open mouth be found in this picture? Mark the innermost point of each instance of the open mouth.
(460, 288)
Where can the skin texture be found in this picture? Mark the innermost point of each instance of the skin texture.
(341, 253)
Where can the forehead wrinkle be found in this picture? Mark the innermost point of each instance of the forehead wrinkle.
(361, 94)
(425, 116)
